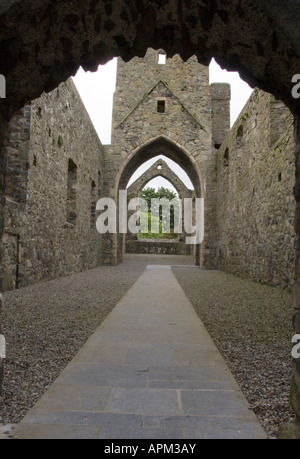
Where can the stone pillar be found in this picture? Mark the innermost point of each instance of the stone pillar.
(3, 160)
(220, 103)
(295, 388)
(2, 349)
(292, 431)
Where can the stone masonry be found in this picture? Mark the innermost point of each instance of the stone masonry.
(165, 109)
(177, 246)
(255, 205)
(56, 169)
(244, 175)
(44, 140)
(43, 42)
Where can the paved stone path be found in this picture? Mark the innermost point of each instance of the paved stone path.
(150, 371)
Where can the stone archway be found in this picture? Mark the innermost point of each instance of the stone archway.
(136, 245)
(155, 147)
(159, 169)
(43, 42)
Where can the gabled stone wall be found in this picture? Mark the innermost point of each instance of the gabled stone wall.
(181, 131)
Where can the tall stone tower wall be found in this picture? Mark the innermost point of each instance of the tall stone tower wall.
(189, 81)
(164, 109)
(220, 103)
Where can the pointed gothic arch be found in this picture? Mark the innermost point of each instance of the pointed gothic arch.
(159, 169)
(133, 242)
(160, 145)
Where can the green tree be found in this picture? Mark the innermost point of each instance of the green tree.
(150, 193)
(166, 193)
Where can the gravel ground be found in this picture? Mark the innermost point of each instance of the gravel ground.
(46, 324)
(251, 324)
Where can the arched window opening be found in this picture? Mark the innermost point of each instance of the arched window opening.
(72, 193)
(99, 185)
(93, 204)
(162, 200)
(226, 158)
(240, 132)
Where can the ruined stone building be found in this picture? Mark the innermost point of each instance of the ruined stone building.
(53, 167)
(57, 170)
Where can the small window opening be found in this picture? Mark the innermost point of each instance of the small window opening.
(226, 157)
(279, 177)
(71, 193)
(159, 167)
(99, 184)
(162, 58)
(161, 106)
(93, 204)
(240, 132)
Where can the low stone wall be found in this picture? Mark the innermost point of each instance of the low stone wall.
(152, 246)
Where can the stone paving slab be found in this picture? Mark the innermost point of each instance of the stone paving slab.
(150, 371)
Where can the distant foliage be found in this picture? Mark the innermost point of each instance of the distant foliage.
(150, 193)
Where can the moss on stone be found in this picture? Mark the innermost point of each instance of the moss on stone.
(60, 141)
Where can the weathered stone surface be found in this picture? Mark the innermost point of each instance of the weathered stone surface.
(161, 247)
(183, 132)
(133, 245)
(1, 361)
(40, 241)
(220, 101)
(44, 41)
(254, 195)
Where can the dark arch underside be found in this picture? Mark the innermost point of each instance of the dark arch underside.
(43, 42)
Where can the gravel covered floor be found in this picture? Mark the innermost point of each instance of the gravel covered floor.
(46, 324)
(251, 324)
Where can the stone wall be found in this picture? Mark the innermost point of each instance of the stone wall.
(294, 432)
(43, 42)
(182, 130)
(158, 247)
(255, 170)
(220, 105)
(40, 240)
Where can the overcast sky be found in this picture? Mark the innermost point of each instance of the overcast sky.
(96, 90)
